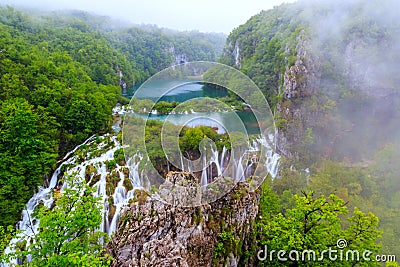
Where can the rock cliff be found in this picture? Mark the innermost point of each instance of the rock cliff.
(153, 233)
(301, 82)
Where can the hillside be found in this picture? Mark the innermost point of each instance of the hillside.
(87, 196)
(328, 68)
(61, 75)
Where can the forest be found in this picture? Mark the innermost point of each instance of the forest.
(339, 122)
(59, 82)
(328, 70)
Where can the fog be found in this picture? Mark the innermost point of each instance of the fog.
(357, 46)
(206, 15)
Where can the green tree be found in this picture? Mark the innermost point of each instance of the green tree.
(27, 152)
(6, 233)
(68, 232)
(315, 224)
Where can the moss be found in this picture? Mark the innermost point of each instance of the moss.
(152, 211)
(112, 182)
(119, 137)
(197, 216)
(138, 217)
(225, 210)
(89, 172)
(153, 189)
(127, 184)
(140, 196)
(110, 164)
(110, 200)
(119, 157)
(124, 219)
(227, 244)
(211, 222)
(95, 179)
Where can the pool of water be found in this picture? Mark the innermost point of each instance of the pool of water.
(181, 91)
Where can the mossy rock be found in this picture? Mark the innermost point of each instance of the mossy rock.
(119, 157)
(128, 184)
(111, 212)
(125, 170)
(110, 165)
(140, 196)
(95, 179)
(89, 172)
(112, 182)
(197, 216)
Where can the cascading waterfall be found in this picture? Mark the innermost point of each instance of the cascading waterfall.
(204, 176)
(239, 175)
(233, 165)
(29, 226)
(222, 160)
(226, 164)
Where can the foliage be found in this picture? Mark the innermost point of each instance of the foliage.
(314, 223)
(190, 138)
(151, 49)
(69, 233)
(27, 151)
(60, 76)
(227, 244)
(6, 234)
(345, 133)
(266, 43)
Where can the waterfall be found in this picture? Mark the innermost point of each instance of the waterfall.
(204, 178)
(222, 160)
(29, 225)
(101, 192)
(134, 176)
(183, 166)
(272, 158)
(119, 197)
(76, 148)
(239, 170)
(226, 163)
(234, 165)
(215, 160)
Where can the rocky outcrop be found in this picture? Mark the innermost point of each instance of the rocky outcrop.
(301, 82)
(301, 79)
(153, 233)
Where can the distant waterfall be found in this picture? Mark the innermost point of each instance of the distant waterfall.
(231, 165)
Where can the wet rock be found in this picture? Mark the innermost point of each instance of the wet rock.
(154, 233)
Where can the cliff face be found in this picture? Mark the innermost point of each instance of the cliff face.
(322, 65)
(302, 78)
(153, 233)
(301, 82)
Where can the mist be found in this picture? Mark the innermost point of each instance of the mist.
(357, 44)
(205, 16)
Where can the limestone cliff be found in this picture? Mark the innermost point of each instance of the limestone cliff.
(301, 82)
(153, 233)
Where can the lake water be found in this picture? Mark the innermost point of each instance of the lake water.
(179, 92)
(241, 121)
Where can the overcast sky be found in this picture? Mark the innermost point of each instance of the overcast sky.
(202, 15)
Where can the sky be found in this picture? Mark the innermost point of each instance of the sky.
(203, 15)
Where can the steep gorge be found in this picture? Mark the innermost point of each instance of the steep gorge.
(328, 70)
